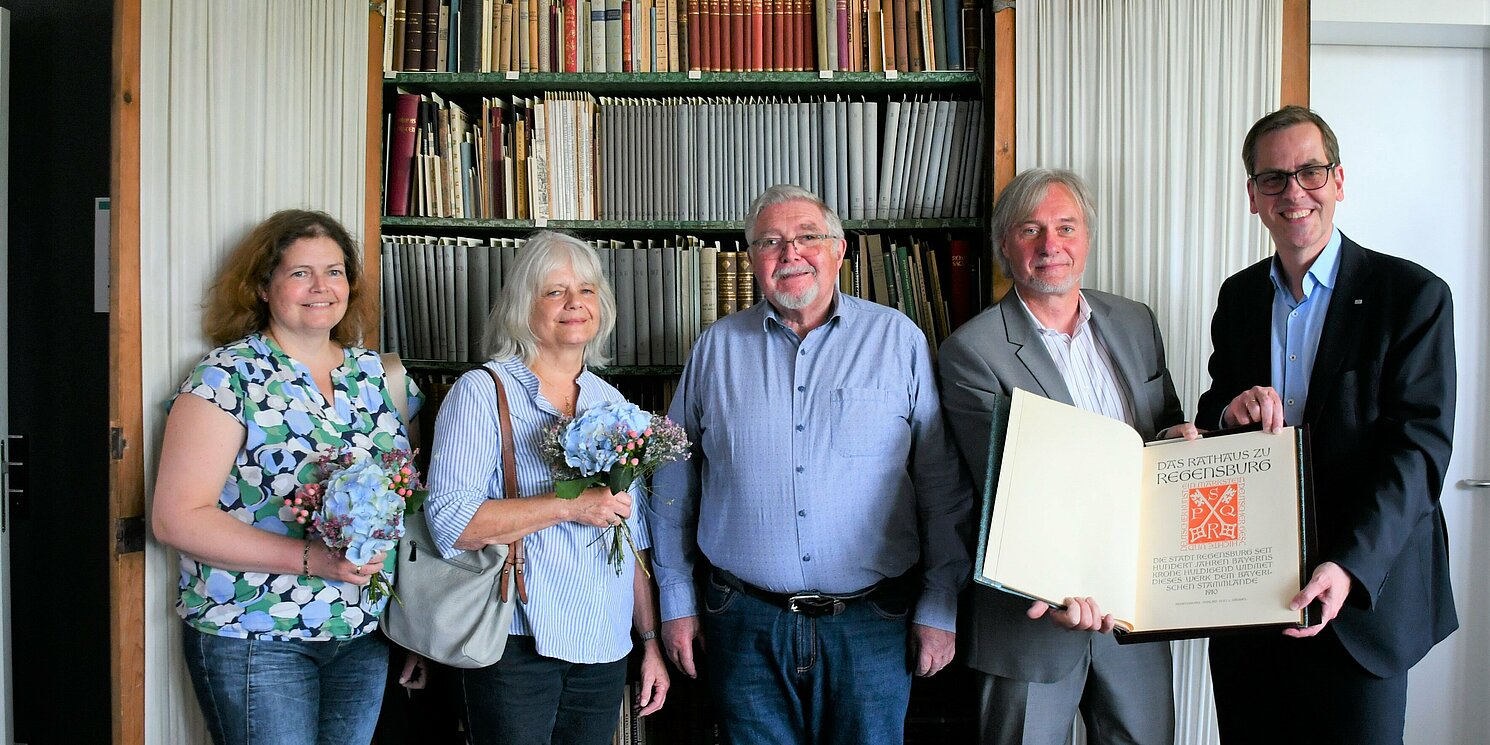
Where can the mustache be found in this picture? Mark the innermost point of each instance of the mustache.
(792, 271)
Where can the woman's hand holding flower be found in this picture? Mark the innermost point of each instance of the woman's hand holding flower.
(597, 507)
(331, 565)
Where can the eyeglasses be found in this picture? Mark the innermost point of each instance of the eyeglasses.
(805, 243)
(1273, 183)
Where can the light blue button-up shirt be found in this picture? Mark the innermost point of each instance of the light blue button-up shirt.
(578, 609)
(1297, 326)
(819, 463)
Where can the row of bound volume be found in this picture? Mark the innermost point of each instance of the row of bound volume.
(493, 36)
(565, 156)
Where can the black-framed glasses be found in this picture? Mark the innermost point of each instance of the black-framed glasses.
(805, 243)
(1273, 183)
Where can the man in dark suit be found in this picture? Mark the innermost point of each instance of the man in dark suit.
(1102, 353)
(1359, 347)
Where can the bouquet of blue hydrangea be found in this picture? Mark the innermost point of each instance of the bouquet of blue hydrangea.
(357, 506)
(611, 445)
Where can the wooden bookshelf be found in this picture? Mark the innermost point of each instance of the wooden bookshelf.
(688, 718)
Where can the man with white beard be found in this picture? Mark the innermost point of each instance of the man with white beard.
(823, 505)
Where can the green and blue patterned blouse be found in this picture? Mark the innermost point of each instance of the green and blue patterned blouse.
(288, 422)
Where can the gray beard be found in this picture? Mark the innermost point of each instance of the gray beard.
(797, 302)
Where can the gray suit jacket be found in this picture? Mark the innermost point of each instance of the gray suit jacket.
(994, 353)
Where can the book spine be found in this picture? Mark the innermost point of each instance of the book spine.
(657, 16)
(757, 30)
(902, 53)
(400, 31)
(413, 57)
(615, 36)
(628, 63)
(726, 278)
(430, 59)
(694, 25)
(913, 36)
(674, 34)
(744, 279)
(962, 282)
(401, 152)
(972, 34)
(838, 59)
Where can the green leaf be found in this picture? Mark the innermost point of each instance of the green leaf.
(571, 488)
(415, 502)
(619, 479)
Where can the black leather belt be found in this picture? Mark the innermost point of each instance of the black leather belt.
(810, 603)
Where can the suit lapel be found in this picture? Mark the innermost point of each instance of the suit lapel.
(1342, 325)
(1122, 348)
(1021, 333)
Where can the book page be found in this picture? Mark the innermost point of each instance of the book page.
(1065, 514)
(1222, 540)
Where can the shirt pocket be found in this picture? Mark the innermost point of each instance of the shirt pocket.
(867, 423)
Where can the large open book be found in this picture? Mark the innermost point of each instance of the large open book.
(1175, 539)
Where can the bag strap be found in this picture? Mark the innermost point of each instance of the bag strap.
(516, 557)
(394, 374)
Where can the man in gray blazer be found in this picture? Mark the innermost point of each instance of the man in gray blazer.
(1102, 353)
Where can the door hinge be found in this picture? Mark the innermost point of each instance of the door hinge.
(116, 443)
(129, 535)
(13, 459)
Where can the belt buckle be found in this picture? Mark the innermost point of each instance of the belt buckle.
(813, 604)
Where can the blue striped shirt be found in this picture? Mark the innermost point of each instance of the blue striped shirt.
(1297, 326)
(819, 463)
(578, 609)
(1085, 365)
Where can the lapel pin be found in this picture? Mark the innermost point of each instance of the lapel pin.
(1358, 301)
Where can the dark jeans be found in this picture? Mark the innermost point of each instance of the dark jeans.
(783, 677)
(529, 699)
(287, 692)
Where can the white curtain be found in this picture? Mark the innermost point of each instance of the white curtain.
(1149, 101)
(247, 107)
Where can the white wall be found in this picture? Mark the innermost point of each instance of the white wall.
(1397, 11)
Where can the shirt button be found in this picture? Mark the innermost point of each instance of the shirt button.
(806, 557)
(801, 513)
(799, 469)
(801, 389)
(1290, 402)
(799, 428)
(1292, 357)
(803, 352)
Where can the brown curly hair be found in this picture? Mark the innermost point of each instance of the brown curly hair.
(234, 307)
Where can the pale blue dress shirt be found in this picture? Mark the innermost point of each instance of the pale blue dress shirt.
(819, 463)
(578, 609)
(1297, 326)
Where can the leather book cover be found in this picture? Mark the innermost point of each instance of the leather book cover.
(413, 59)
(757, 35)
(430, 50)
(401, 152)
(695, 29)
(913, 38)
(738, 15)
(902, 54)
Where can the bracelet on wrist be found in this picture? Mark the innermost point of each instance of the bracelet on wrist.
(647, 635)
(305, 560)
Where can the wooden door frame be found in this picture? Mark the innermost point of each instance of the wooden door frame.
(126, 422)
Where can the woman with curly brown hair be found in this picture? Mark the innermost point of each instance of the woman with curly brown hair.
(279, 637)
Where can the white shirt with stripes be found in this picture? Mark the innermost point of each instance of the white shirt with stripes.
(1085, 365)
(579, 608)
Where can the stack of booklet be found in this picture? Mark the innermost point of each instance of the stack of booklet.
(1175, 539)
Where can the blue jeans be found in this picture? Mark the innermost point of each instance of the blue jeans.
(287, 692)
(528, 699)
(782, 677)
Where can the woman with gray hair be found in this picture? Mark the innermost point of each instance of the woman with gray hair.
(563, 673)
